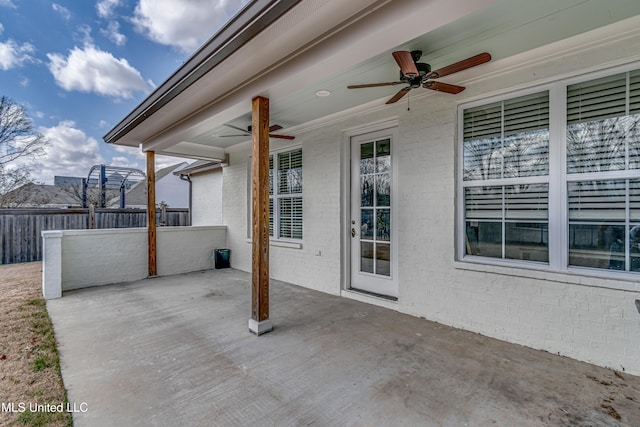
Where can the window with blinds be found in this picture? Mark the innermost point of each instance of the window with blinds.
(505, 192)
(285, 192)
(507, 141)
(603, 139)
(602, 124)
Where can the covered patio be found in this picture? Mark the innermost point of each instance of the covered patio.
(175, 350)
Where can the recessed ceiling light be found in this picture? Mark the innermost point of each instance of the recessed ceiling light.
(323, 92)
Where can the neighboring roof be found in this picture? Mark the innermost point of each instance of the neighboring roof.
(246, 24)
(33, 195)
(198, 167)
(137, 195)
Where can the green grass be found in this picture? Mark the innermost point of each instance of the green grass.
(38, 419)
(46, 357)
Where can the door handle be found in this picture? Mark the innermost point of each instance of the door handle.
(353, 232)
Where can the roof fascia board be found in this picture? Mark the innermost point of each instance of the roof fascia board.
(249, 22)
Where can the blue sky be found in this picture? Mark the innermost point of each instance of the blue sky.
(79, 66)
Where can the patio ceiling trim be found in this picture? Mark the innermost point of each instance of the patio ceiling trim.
(249, 22)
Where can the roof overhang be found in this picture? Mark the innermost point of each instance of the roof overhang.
(285, 50)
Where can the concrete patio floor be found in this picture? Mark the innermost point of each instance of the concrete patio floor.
(176, 351)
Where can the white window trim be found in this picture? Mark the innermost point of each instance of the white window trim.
(558, 268)
(273, 240)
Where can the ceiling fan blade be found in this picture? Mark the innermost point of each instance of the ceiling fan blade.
(374, 85)
(478, 59)
(282, 136)
(402, 92)
(405, 62)
(238, 129)
(443, 87)
(274, 128)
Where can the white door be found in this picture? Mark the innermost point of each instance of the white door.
(373, 225)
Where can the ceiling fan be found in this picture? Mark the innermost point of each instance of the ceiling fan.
(416, 74)
(247, 132)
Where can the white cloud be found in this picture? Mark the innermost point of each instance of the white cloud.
(63, 11)
(124, 162)
(184, 24)
(70, 152)
(24, 82)
(13, 54)
(105, 8)
(161, 161)
(112, 32)
(1, 28)
(8, 3)
(92, 70)
(83, 34)
(102, 124)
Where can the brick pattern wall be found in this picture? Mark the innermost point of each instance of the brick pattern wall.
(560, 313)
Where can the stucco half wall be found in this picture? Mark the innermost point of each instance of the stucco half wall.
(75, 259)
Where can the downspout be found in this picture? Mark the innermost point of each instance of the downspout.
(188, 179)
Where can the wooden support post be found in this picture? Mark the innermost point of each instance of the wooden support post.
(151, 212)
(260, 322)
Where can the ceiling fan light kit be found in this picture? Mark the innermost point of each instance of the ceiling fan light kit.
(416, 74)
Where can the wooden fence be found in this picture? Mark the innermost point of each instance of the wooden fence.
(20, 229)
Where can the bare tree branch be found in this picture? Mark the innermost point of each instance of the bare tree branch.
(20, 145)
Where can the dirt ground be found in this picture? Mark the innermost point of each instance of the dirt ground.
(29, 365)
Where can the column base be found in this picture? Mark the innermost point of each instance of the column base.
(260, 328)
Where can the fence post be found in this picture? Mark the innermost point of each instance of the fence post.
(163, 214)
(92, 216)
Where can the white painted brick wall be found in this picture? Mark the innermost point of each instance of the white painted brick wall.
(543, 310)
(206, 198)
(75, 259)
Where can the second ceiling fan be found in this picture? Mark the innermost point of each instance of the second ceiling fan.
(247, 132)
(416, 74)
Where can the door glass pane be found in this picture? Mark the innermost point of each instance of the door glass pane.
(383, 224)
(383, 259)
(383, 155)
(366, 224)
(366, 190)
(375, 204)
(366, 257)
(366, 158)
(383, 190)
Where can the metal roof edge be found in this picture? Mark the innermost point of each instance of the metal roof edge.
(244, 26)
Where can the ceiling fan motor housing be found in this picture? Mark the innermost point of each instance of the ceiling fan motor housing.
(415, 82)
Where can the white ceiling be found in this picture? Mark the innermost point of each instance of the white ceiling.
(503, 28)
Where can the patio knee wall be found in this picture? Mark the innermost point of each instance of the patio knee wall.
(77, 259)
(584, 317)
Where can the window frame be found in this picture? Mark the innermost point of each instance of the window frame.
(274, 219)
(277, 197)
(558, 180)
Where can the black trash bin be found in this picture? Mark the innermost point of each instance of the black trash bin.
(222, 258)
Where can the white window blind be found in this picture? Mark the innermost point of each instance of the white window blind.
(507, 139)
(596, 213)
(602, 124)
(285, 190)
